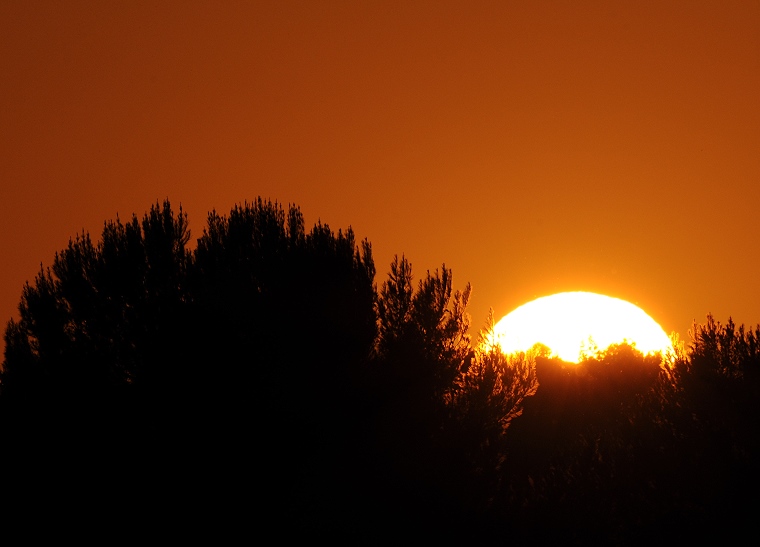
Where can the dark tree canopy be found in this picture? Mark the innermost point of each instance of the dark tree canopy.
(266, 360)
(104, 314)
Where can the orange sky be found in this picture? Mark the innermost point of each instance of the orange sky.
(534, 147)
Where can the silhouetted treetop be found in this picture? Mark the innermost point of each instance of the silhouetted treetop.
(265, 278)
(137, 305)
(496, 383)
(731, 351)
(423, 334)
(90, 319)
(267, 358)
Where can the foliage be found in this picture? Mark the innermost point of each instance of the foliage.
(423, 342)
(444, 404)
(271, 286)
(495, 383)
(103, 315)
(370, 409)
(728, 350)
(138, 346)
(633, 448)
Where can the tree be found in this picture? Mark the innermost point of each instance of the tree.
(488, 395)
(99, 338)
(136, 347)
(95, 319)
(491, 390)
(286, 324)
(423, 339)
(293, 309)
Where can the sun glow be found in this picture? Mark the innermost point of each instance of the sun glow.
(571, 322)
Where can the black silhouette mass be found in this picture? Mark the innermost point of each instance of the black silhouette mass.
(263, 381)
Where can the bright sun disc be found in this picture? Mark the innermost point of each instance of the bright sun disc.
(565, 322)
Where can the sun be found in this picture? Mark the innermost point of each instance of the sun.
(571, 321)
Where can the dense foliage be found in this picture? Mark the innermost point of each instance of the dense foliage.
(263, 376)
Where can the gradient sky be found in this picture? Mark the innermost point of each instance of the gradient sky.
(533, 147)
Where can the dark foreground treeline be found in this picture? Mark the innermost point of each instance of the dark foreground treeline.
(264, 384)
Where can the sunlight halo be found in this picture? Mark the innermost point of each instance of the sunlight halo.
(571, 322)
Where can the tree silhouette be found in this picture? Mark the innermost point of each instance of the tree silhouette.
(280, 307)
(443, 406)
(263, 327)
(285, 325)
(266, 358)
(423, 334)
(95, 362)
(421, 347)
(498, 382)
(487, 397)
(719, 387)
(103, 315)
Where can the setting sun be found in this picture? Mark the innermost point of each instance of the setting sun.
(572, 321)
